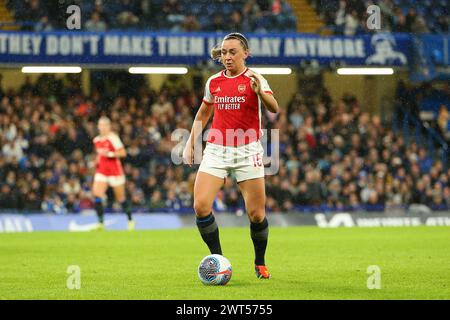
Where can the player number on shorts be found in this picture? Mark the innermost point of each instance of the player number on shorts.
(257, 160)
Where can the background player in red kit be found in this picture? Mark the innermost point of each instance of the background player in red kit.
(234, 95)
(109, 171)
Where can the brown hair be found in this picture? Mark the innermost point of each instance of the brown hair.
(216, 52)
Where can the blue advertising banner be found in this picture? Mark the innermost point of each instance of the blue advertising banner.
(146, 48)
(84, 223)
(437, 48)
(76, 222)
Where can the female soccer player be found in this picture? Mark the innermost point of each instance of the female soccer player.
(234, 95)
(109, 171)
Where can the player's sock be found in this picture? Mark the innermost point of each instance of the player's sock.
(260, 234)
(99, 208)
(127, 209)
(210, 233)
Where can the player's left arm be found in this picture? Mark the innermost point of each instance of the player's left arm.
(261, 88)
(269, 101)
(120, 153)
(119, 149)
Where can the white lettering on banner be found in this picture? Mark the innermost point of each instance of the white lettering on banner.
(347, 220)
(14, 45)
(77, 45)
(125, 45)
(438, 221)
(180, 46)
(337, 220)
(3, 43)
(64, 45)
(309, 47)
(265, 47)
(36, 42)
(294, 47)
(324, 48)
(349, 48)
(338, 48)
(94, 44)
(161, 45)
(359, 48)
(9, 224)
(51, 45)
(70, 45)
(111, 45)
(388, 222)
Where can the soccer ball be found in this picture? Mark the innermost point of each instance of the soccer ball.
(215, 270)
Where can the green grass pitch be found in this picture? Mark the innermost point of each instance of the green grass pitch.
(305, 262)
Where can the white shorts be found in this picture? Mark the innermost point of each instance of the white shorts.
(244, 162)
(112, 181)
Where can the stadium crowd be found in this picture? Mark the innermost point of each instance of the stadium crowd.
(161, 15)
(333, 156)
(349, 17)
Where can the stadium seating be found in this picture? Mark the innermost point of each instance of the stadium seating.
(434, 13)
(154, 15)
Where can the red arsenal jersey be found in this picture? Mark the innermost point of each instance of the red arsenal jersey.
(108, 166)
(237, 108)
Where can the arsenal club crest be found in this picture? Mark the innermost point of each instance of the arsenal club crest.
(241, 88)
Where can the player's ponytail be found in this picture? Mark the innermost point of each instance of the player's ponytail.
(216, 54)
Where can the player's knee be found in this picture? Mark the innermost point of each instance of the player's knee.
(202, 208)
(256, 215)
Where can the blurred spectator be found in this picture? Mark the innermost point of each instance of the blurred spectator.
(411, 18)
(235, 24)
(351, 23)
(282, 16)
(443, 119)
(95, 24)
(419, 26)
(33, 12)
(399, 21)
(339, 20)
(442, 24)
(162, 106)
(190, 23)
(173, 11)
(217, 24)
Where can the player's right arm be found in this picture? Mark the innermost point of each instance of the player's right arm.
(201, 119)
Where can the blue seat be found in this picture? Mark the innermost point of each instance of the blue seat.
(421, 11)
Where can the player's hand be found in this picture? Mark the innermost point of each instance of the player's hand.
(188, 154)
(102, 152)
(105, 153)
(255, 82)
